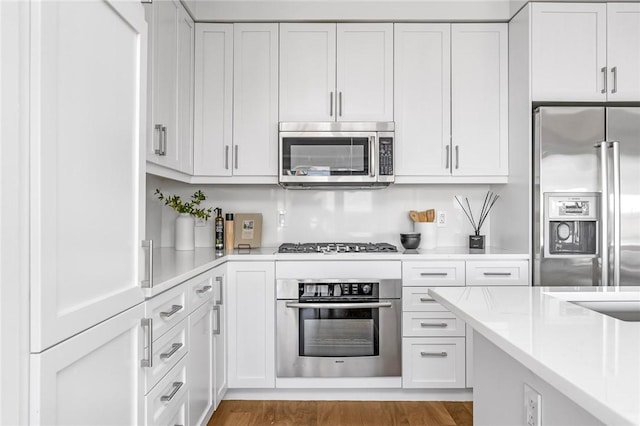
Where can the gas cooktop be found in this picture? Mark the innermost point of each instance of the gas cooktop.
(337, 248)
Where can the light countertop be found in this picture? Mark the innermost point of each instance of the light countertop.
(591, 358)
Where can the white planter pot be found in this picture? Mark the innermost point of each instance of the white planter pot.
(185, 232)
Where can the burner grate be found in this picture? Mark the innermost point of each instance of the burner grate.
(337, 248)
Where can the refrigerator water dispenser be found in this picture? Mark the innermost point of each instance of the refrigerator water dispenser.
(571, 224)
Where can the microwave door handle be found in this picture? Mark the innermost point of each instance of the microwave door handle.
(372, 157)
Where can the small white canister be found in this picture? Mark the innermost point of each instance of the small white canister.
(428, 231)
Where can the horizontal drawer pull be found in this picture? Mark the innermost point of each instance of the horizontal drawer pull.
(204, 289)
(497, 274)
(174, 309)
(427, 299)
(442, 354)
(434, 324)
(176, 388)
(434, 274)
(174, 348)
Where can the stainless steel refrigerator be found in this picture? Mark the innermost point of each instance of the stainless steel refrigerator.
(586, 196)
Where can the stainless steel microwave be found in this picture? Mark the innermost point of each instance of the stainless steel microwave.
(336, 154)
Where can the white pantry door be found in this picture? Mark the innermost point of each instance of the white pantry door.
(88, 82)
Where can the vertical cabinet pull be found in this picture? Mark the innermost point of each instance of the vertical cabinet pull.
(148, 324)
(235, 157)
(174, 309)
(219, 280)
(147, 281)
(340, 104)
(614, 71)
(457, 156)
(216, 308)
(372, 157)
(330, 104)
(446, 157)
(603, 70)
(176, 388)
(226, 157)
(158, 129)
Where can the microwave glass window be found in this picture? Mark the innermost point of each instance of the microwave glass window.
(336, 156)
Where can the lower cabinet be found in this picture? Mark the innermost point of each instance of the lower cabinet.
(200, 365)
(251, 324)
(167, 399)
(429, 362)
(219, 361)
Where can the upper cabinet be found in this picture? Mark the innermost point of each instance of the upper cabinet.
(236, 102)
(585, 51)
(451, 103)
(170, 112)
(336, 72)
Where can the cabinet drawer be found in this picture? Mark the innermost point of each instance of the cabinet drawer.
(417, 324)
(167, 396)
(416, 299)
(176, 415)
(432, 362)
(498, 272)
(434, 274)
(200, 290)
(167, 351)
(167, 309)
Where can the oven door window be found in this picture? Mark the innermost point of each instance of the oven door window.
(338, 332)
(325, 156)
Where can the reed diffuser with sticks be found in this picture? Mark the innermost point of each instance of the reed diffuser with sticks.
(476, 241)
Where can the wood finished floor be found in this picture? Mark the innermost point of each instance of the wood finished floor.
(343, 413)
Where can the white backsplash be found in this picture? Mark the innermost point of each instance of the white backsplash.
(322, 215)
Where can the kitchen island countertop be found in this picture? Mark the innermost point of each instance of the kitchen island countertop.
(591, 358)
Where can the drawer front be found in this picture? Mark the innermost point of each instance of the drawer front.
(166, 397)
(167, 351)
(177, 415)
(167, 309)
(433, 362)
(434, 274)
(498, 272)
(416, 299)
(420, 324)
(200, 290)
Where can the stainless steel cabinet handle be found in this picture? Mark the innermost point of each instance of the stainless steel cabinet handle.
(219, 301)
(204, 289)
(330, 104)
(372, 157)
(427, 299)
(235, 157)
(147, 282)
(603, 70)
(173, 311)
(338, 305)
(226, 157)
(158, 129)
(497, 274)
(604, 205)
(163, 149)
(614, 71)
(174, 348)
(148, 361)
(340, 104)
(446, 159)
(216, 308)
(434, 274)
(442, 354)
(434, 324)
(457, 156)
(176, 388)
(616, 215)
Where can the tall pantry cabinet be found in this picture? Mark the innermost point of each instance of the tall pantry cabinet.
(86, 213)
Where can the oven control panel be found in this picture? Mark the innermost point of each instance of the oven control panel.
(332, 291)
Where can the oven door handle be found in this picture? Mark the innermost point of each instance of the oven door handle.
(364, 305)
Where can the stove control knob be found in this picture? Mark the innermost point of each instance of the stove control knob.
(366, 288)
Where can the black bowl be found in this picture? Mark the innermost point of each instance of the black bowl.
(410, 241)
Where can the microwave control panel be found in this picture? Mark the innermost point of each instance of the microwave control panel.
(385, 156)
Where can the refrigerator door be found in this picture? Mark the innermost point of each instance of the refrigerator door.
(623, 125)
(565, 161)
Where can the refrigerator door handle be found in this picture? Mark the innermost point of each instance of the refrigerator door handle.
(604, 219)
(616, 212)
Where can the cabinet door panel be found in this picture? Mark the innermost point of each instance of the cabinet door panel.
(93, 378)
(213, 100)
(623, 51)
(87, 163)
(200, 362)
(307, 72)
(255, 100)
(568, 51)
(422, 98)
(479, 99)
(184, 133)
(365, 72)
(220, 339)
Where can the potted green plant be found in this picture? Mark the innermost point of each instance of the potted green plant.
(185, 222)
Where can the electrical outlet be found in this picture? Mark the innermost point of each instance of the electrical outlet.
(281, 220)
(201, 222)
(441, 219)
(532, 406)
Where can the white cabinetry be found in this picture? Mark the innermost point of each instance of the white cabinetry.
(169, 139)
(200, 373)
(236, 114)
(451, 83)
(340, 72)
(220, 336)
(585, 52)
(251, 324)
